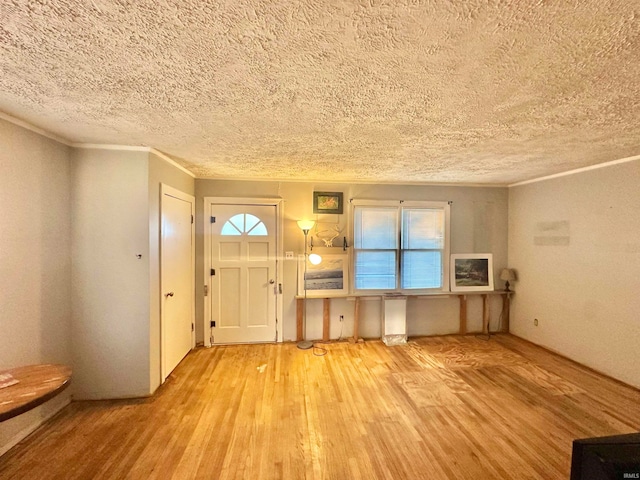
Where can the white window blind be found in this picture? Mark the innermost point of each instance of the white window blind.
(376, 245)
(422, 248)
(401, 247)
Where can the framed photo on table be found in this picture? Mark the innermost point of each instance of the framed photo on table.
(471, 272)
(328, 202)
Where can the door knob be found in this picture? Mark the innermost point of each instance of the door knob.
(272, 281)
(170, 294)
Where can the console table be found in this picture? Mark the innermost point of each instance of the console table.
(36, 384)
(462, 296)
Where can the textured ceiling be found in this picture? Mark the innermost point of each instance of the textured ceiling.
(493, 91)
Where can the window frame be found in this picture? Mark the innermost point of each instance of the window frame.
(399, 206)
(244, 232)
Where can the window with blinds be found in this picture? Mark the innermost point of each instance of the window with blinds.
(401, 247)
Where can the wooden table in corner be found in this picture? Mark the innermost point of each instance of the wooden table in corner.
(486, 311)
(35, 385)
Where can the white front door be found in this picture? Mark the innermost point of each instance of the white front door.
(176, 278)
(243, 273)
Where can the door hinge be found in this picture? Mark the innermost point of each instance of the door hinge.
(192, 327)
(206, 290)
(191, 218)
(213, 272)
(213, 323)
(213, 219)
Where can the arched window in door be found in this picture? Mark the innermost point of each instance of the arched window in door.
(244, 224)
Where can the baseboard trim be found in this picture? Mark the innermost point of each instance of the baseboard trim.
(28, 430)
(575, 362)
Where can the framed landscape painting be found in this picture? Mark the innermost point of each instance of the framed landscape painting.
(329, 277)
(471, 272)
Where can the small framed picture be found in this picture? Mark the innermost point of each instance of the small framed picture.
(471, 272)
(327, 202)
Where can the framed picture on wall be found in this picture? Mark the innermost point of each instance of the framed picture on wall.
(329, 277)
(471, 272)
(327, 202)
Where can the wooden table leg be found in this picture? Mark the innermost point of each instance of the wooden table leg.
(486, 314)
(299, 319)
(356, 319)
(463, 314)
(506, 307)
(326, 315)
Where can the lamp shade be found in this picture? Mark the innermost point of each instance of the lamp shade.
(306, 225)
(508, 275)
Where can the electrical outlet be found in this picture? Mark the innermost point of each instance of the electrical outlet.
(288, 255)
(535, 322)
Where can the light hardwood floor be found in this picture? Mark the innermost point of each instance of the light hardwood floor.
(437, 408)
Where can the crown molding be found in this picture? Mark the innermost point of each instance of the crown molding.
(168, 159)
(106, 146)
(34, 129)
(97, 146)
(577, 170)
(133, 148)
(358, 182)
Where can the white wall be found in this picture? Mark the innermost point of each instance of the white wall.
(160, 172)
(110, 285)
(575, 242)
(35, 256)
(478, 225)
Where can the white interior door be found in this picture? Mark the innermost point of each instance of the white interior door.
(243, 273)
(177, 277)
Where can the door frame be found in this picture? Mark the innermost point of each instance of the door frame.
(278, 203)
(180, 195)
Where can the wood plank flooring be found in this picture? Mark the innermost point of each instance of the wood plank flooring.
(437, 408)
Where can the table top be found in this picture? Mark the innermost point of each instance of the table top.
(315, 296)
(36, 384)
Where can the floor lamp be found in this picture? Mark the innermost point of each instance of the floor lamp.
(305, 226)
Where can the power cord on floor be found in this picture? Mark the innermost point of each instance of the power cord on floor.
(321, 351)
(488, 335)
